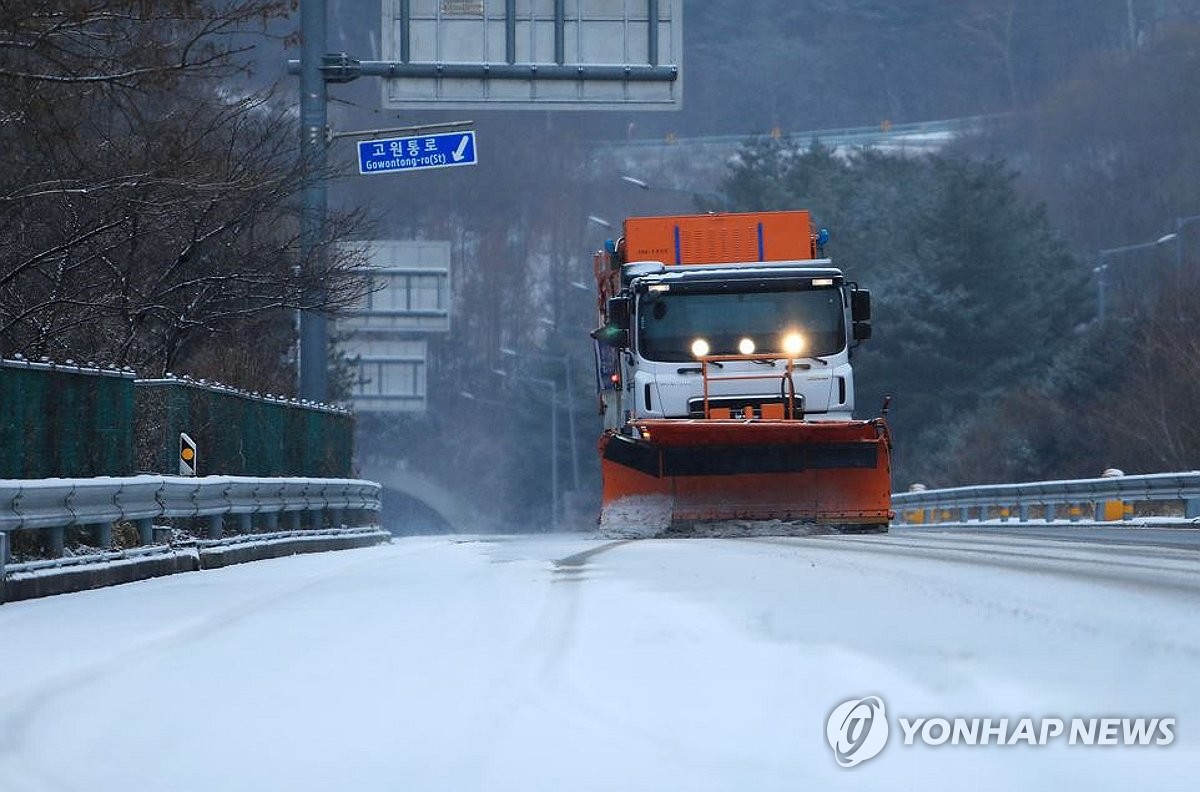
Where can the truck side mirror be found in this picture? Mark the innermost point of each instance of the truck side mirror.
(612, 336)
(618, 312)
(862, 331)
(860, 305)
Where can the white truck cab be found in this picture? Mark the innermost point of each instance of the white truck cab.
(707, 341)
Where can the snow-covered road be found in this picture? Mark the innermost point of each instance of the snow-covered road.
(548, 663)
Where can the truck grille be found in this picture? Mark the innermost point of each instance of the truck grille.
(736, 404)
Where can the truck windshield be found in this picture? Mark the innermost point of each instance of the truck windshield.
(669, 322)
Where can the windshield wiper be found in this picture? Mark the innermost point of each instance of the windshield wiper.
(698, 369)
(771, 362)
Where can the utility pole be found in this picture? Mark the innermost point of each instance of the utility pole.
(314, 331)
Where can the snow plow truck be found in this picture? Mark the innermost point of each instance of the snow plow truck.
(723, 363)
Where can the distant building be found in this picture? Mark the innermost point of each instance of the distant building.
(385, 337)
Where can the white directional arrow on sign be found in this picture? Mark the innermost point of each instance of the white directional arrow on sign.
(459, 152)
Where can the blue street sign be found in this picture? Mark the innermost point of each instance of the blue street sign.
(445, 150)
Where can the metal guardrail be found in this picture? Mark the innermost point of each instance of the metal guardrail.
(1005, 500)
(844, 136)
(53, 505)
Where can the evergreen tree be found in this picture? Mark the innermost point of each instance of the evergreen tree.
(974, 293)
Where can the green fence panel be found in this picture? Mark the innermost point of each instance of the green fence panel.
(239, 433)
(67, 421)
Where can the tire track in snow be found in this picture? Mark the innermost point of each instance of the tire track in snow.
(559, 697)
(529, 673)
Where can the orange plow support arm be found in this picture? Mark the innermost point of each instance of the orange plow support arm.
(836, 473)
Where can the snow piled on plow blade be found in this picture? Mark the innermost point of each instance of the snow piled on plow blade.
(652, 517)
(637, 517)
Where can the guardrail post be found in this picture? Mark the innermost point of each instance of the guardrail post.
(57, 537)
(145, 527)
(335, 517)
(964, 514)
(246, 523)
(272, 520)
(215, 526)
(294, 521)
(1023, 512)
(104, 535)
(1049, 512)
(317, 519)
(1191, 507)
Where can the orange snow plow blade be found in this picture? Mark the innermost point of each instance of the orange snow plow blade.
(682, 473)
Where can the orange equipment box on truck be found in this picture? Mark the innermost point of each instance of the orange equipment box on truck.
(720, 238)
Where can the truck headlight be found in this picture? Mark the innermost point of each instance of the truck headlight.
(700, 347)
(746, 346)
(793, 344)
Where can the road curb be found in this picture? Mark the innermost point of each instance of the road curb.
(217, 556)
(46, 583)
(84, 577)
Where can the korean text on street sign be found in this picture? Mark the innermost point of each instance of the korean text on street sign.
(446, 150)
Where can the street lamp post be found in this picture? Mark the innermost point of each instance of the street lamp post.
(641, 184)
(553, 447)
(565, 361)
(1101, 268)
(553, 384)
(1100, 271)
(1180, 224)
